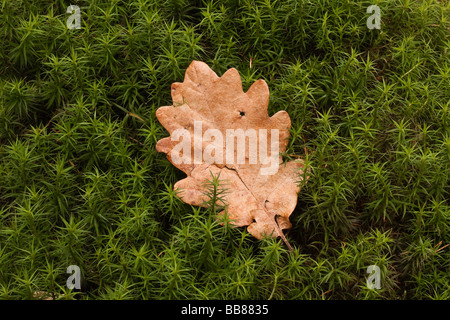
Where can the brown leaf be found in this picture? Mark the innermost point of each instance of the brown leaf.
(262, 195)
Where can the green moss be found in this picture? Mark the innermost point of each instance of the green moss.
(81, 182)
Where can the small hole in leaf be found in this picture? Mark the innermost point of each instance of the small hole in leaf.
(242, 113)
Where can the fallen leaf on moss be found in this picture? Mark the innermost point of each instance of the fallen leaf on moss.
(262, 190)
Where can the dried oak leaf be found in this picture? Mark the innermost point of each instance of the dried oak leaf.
(261, 202)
